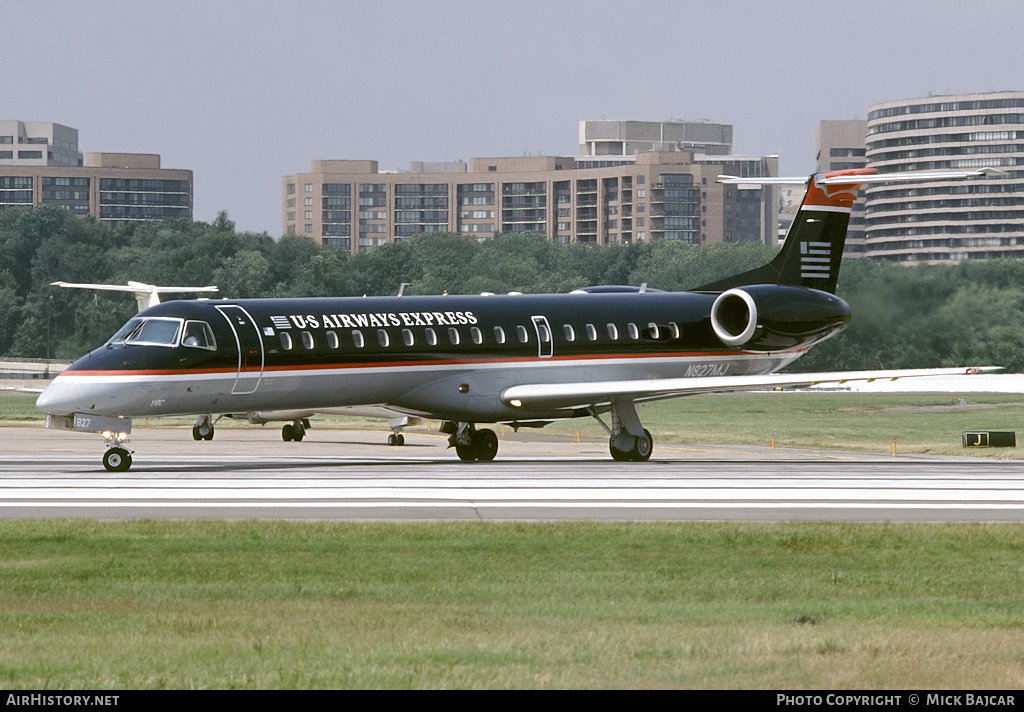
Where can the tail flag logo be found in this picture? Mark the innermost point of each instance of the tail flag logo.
(815, 260)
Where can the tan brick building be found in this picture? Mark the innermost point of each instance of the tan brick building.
(603, 199)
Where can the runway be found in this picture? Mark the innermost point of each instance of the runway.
(352, 475)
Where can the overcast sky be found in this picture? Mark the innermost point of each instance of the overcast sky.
(244, 93)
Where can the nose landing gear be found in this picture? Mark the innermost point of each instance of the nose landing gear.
(117, 459)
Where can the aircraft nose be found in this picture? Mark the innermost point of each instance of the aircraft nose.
(58, 398)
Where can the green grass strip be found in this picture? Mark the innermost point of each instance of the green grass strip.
(472, 605)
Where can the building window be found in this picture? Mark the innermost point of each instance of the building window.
(309, 187)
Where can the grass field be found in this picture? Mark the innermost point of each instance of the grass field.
(929, 424)
(473, 605)
(570, 605)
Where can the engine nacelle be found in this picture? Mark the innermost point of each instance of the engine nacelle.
(770, 317)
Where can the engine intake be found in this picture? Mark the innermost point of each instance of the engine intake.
(770, 317)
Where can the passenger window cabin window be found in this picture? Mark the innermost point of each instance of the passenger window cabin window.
(332, 340)
(570, 333)
(523, 334)
(613, 332)
(634, 333)
(591, 332)
(542, 331)
(286, 341)
(407, 337)
(307, 340)
(673, 329)
(653, 330)
(453, 335)
(475, 334)
(499, 334)
(382, 338)
(431, 336)
(357, 339)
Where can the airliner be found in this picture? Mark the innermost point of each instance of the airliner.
(472, 360)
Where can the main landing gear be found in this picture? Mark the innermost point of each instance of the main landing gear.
(203, 429)
(469, 443)
(628, 440)
(294, 432)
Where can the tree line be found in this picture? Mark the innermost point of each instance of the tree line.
(971, 313)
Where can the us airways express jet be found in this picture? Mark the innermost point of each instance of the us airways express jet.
(471, 360)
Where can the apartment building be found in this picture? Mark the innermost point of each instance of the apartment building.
(943, 221)
(657, 195)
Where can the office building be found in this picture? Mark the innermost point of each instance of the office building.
(117, 188)
(37, 143)
(941, 221)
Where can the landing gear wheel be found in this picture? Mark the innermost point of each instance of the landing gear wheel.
(485, 443)
(641, 451)
(288, 433)
(643, 448)
(117, 459)
(202, 432)
(399, 440)
(617, 455)
(392, 439)
(466, 453)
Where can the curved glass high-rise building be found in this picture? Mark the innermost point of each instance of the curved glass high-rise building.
(977, 218)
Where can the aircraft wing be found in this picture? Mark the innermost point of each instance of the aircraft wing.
(21, 389)
(576, 395)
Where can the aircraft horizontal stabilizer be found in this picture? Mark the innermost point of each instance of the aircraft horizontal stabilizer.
(146, 295)
(576, 395)
(860, 178)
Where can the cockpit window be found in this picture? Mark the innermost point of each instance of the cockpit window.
(149, 331)
(198, 335)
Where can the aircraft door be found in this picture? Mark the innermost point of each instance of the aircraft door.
(545, 339)
(250, 349)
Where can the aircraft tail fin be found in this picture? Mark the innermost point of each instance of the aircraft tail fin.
(813, 250)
